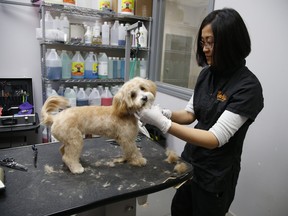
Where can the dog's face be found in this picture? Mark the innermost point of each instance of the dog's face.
(135, 95)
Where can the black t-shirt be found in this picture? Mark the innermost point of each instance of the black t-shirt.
(213, 94)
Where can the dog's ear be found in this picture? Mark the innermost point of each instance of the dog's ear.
(119, 103)
(151, 86)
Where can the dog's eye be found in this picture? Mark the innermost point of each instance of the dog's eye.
(133, 94)
(142, 88)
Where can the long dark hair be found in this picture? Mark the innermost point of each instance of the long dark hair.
(231, 39)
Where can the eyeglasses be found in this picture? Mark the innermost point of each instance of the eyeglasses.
(207, 44)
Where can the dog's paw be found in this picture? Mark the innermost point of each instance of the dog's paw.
(76, 169)
(119, 160)
(138, 161)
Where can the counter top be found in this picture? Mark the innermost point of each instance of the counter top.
(51, 189)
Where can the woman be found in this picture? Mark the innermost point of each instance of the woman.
(226, 100)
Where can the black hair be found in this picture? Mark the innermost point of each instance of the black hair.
(231, 39)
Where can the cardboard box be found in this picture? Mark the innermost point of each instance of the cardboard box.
(143, 8)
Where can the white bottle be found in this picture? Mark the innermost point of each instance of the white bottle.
(50, 91)
(82, 98)
(77, 66)
(88, 35)
(122, 35)
(106, 97)
(57, 23)
(143, 68)
(105, 34)
(143, 36)
(75, 88)
(88, 90)
(103, 66)
(115, 33)
(61, 90)
(84, 3)
(53, 66)
(94, 98)
(71, 96)
(48, 21)
(65, 28)
(96, 39)
(100, 89)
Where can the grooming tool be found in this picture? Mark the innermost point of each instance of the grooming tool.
(11, 163)
(35, 153)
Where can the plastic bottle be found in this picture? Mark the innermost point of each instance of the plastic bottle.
(48, 20)
(96, 39)
(122, 34)
(77, 66)
(103, 66)
(106, 97)
(94, 98)
(53, 65)
(50, 91)
(122, 68)
(143, 36)
(115, 33)
(110, 68)
(45, 135)
(100, 89)
(61, 90)
(66, 65)
(105, 4)
(88, 90)
(115, 66)
(69, 2)
(57, 23)
(105, 34)
(84, 3)
(75, 88)
(65, 27)
(91, 66)
(82, 98)
(88, 35)
(71, 96)
(126, 7)
(143, 68)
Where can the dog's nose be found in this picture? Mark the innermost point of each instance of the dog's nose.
(145, 98)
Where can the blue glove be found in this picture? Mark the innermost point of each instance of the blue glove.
(154, 116)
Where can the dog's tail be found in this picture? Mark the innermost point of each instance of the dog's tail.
(52, 104)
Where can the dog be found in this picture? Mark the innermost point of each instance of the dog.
(116, 122)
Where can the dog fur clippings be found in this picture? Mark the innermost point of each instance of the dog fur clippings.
(116, 122)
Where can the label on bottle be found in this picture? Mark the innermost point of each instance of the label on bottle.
(104, 4)
(72, 2)
(103, 70)
(78, 70)
(127, 6)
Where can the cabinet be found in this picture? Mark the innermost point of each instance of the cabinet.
(78, 15)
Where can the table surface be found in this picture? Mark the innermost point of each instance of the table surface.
(51, 189)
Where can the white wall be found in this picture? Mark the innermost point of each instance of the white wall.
(262, 189)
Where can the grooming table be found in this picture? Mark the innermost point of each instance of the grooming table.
(51, 189)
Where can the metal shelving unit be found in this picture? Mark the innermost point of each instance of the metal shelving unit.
(81, 14)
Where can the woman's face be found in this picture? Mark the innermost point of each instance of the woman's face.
(207, 42)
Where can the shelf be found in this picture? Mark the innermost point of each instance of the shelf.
(87, 12)
(95, 81)
(67, 45)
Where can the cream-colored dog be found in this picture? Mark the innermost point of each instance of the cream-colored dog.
(117, 122)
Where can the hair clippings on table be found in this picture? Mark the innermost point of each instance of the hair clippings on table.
(11, 163)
